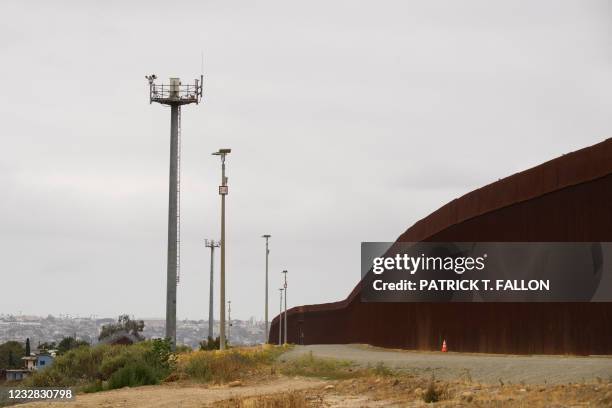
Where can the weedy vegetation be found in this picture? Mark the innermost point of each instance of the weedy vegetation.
(310, 366)
(292, 399)
(106, 367)
(216, 366)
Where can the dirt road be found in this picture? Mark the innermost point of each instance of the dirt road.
(486, 368)
(177, 395)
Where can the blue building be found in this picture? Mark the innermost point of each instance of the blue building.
(44, 360)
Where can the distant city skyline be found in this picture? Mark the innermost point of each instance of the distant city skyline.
(348, 122)
(41, 329)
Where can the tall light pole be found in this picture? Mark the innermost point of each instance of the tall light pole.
(223, 190)
(175, 95)
(285, 286)
(280, 319)
(212, 244)
(267, 237)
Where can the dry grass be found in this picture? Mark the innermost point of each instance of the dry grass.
(287, 400)
(260, 363)
(218, 366)
(325, 368)
(403, 389)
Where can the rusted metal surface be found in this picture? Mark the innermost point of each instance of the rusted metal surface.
(565, 199)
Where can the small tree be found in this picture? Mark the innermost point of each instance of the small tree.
(27, 350)
(211, 344)
(10, 354)
(69, 343)
(47, 345)
(124, 323)
(11, 359)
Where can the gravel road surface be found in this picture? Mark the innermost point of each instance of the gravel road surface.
(485, 368)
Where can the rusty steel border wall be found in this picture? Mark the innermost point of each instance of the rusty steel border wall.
(565, 199)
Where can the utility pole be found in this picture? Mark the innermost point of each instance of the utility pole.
(280, 319)
(267, 237)
(229, 320)
(174, 95)
(223, 190)
(285, 286)
(212, 244)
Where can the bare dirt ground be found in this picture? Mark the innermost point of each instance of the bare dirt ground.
(179, 395)
(385, 391)
(485, 368)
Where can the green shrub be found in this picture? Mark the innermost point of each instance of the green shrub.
(160, 353)
(93, 368)
(76, 367)
(210, 343)
(133, 375)
(93, 387)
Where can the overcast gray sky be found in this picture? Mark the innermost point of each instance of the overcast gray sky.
(348, 121)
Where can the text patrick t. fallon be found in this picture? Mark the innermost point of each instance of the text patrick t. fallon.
(462, 285)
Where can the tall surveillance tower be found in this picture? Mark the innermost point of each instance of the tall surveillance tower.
(174, 95)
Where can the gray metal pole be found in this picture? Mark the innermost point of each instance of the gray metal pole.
(172, 229)
(211, 318)
(178, 95)
(222, 300)
(229, 320)
(266, 314)
(285, 272)
(280, 319)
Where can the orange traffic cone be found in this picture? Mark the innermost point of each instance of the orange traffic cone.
(444, 349)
